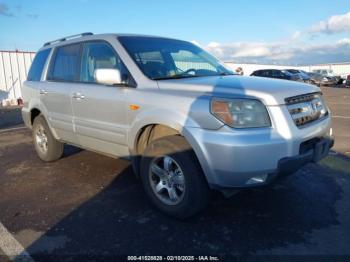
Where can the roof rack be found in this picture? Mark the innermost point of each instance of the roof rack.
(67, 38)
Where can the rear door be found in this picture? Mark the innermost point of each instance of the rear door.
(99, 110)
(55, 93)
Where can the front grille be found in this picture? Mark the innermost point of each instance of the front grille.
(306, 108)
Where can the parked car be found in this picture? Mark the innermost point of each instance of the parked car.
(330, 75)
(347, 83)
(344, 77)
(275, 73)
(186, 122)
(302, 75)
(321, 80)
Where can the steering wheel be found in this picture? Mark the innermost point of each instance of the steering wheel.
(190, 70)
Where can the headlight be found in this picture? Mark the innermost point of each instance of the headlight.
(240, 113)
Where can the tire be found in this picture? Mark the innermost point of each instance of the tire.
(46, 146)
(185, 177)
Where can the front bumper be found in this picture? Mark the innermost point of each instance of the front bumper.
(318, 149)
(248, 158)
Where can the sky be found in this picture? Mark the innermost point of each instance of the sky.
(279, 32)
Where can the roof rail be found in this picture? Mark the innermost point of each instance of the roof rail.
(67, 38)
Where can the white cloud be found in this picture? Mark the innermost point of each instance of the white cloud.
(297, 49)
(252, 50)
(213, 45)
(296, 35)
(195, 42)
(344, 41)
(334, 24)
(284, 52)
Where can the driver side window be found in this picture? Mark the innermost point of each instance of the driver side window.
(99, 55)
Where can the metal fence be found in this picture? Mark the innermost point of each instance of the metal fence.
(14, 67)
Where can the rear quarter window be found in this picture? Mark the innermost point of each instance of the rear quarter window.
(65, 65)
(38, 64)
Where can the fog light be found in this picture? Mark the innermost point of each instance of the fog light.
(257, 179)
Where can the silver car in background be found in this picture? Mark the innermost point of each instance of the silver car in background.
(186, 122)
(329, 74)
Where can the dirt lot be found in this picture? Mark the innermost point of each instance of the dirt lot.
(87, 206)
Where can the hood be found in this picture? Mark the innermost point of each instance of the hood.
(270, 91)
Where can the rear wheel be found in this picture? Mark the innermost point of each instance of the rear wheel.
(46, 146)
(173, 178)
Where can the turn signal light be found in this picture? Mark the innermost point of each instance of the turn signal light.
(221, 110)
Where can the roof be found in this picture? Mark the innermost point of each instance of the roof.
(91, 36)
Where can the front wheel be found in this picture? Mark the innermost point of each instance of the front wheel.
(46, 146)
(172, 177)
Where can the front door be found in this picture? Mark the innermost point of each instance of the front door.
(100, 119)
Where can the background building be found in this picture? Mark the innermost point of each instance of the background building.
(14, 67)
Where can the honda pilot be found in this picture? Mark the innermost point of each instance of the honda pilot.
(187, 123)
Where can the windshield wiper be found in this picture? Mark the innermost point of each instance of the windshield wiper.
(174, 77)
(188, 76)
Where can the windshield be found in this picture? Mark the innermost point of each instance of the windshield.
(161, 58)
(293, 71)
(287, 72)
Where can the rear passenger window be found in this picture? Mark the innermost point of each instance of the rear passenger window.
(66, 64)
(38, 64)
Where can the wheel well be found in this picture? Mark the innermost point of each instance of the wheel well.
(33, 114)
(150, 133)
(147, 135)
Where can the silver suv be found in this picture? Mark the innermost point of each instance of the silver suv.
(187, 123)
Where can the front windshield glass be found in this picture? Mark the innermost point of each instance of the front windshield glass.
(293, 71)
(287, 72)
(161, 58)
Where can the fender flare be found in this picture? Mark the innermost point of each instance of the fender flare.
(173, 119)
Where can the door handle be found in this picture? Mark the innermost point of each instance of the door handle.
(43, 92)
(78, 96)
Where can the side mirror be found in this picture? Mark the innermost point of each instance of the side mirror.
(107, 76)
